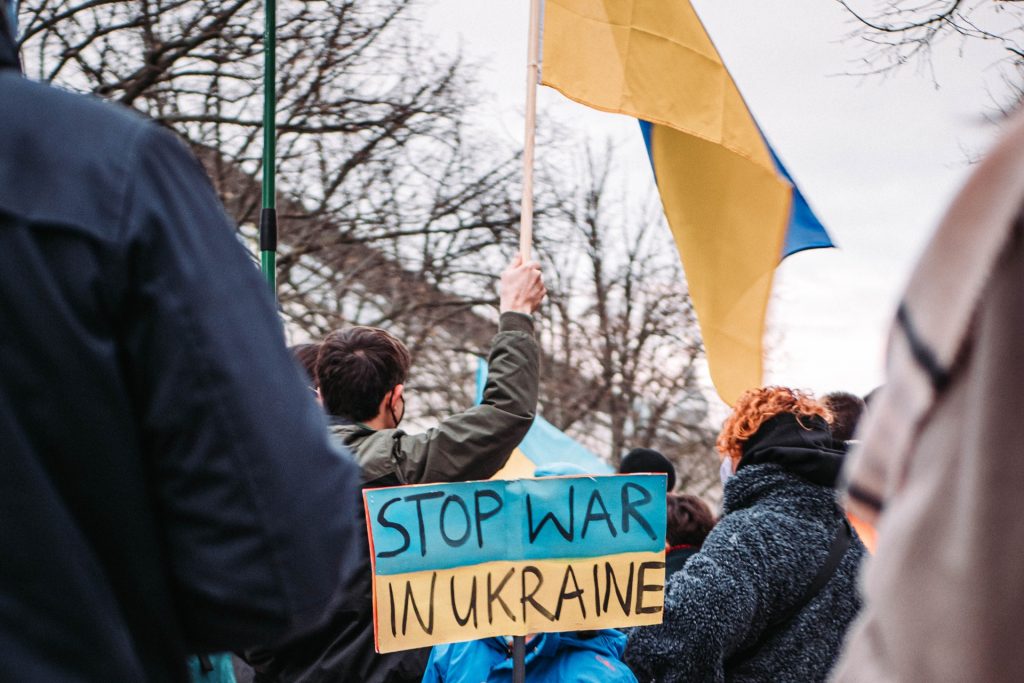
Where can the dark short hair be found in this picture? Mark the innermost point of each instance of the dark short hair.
(306, 354)
(846, 410)
(356, 367)
(689, 520)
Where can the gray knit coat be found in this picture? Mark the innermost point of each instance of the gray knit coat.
(774, 535)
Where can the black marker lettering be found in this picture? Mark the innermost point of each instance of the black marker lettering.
(642, 587)
(481, 514)
(410, 599)
(595, 497)
(391, 592)
(567, 534)
(455, 542)
(629, 508)
(574, 595)
(611, 580)
(528, 598)
(496, 595)
(471, 611)
(418, 498)
(391, 525)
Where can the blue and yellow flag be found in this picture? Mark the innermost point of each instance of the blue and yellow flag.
(544, 444)
(732, 207)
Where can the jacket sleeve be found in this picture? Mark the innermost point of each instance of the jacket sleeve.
(433, 673)
(256, 508)
(710, 605)
(476, 443)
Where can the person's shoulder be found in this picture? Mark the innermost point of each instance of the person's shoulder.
(360, 438)
(734, 526)
(766, 540)
(594, 663)
(744, 535)
(88, 119)
(372, 449)
(84, 149)
(609, 642)
(471, 660)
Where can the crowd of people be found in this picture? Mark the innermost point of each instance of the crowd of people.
(765, 593)
(176, 482)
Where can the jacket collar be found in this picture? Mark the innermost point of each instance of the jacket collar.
(542, 644)
(607, 642)
(681, 546)
(339, 421)
(784, 459)
(799, 445)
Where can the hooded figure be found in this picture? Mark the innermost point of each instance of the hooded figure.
(168, 485)
(771, 592)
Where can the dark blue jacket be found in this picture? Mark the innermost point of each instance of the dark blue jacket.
(550, 658)
(166, 481)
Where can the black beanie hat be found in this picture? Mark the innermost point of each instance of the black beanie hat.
(643, 460)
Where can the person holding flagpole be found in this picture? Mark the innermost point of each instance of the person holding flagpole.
(362, 374)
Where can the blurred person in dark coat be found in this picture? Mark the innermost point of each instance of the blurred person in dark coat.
(167, 483)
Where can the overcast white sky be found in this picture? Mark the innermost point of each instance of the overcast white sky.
(878, 158)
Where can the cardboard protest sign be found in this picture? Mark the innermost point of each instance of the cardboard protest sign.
(461, 561)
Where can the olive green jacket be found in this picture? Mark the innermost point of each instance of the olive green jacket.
(470, 445)
(473, 444)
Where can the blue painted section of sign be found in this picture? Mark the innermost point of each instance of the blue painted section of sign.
(443, 526)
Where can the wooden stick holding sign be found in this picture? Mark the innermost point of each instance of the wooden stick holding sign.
(464, 561)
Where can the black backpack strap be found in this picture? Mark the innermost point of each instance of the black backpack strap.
(840, 544)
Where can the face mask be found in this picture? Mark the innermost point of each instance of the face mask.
(397, 418)
(725, 471)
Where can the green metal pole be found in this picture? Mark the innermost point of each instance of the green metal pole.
(268, 216)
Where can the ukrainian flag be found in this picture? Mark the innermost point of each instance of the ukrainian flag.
(544, 444)
(732, 207)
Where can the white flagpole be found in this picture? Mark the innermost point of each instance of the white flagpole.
(532, 78)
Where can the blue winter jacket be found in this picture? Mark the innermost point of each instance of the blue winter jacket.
(550, 658)
(166, 481)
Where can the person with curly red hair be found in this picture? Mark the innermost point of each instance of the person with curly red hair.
(771, 592)
(759, 406)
